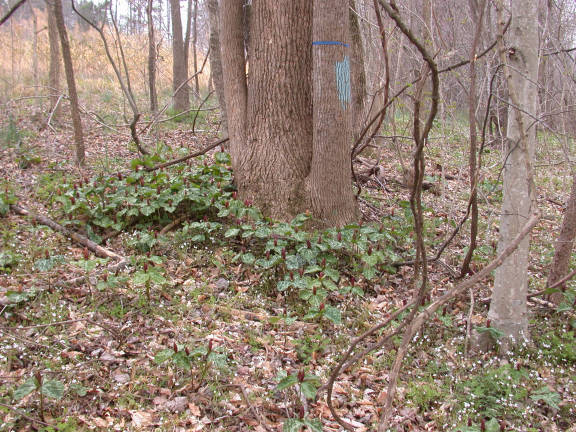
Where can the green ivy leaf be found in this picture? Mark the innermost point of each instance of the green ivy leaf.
(332, 274)
(286, 382)
(292, 425)
(140, 278)
(333, 314)
(53, 389)
(309, 389)
(551, 398)
(314, 425)
(232, 232)
(248, 258)
(25, 389)
(163, 355)
(283, 285)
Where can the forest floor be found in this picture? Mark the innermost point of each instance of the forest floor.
(195, 333)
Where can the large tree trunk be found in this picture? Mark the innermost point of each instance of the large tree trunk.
(271, 119)
(508, 308)
(54, 68)
(216, 60)
(179, 65)
(564, 244)
(329, 181)
(72, 94)
(276, 161)
(151, 58)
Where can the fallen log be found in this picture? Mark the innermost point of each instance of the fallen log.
(78, 238)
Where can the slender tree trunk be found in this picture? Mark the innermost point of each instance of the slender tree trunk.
(69, 70)
(34, 48)
(216, 60)
(329, 182)
(54, 69)
(179, 66)
(195, 48)
(508, 308)
(564, 244)
(478, 17)
(151, 58)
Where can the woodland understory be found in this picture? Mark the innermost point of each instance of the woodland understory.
(256, 353)
(142, 288)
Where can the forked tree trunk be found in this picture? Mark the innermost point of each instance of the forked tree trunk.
(216, 60)
(329, 183)
(508, 309)
(151, 58)
(179, 64)
(72, 94)
(270, 116)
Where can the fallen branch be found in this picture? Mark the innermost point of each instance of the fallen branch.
(189, 156)
(78, 238)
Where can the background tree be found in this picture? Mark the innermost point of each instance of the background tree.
(151, 57)
(179, 67)
(72, 94)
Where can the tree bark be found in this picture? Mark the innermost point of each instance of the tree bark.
(195, 48)
(151, 58)
(234, 75)
(329, 182)
(358, 74)
(54, 68)
(179, 65)
(564, 244)
(270, 115)
(508, 308)
(34, 48)
(276, 159)
(216, 60)
(72, 94)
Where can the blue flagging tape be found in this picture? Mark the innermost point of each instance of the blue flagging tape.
(330, 43)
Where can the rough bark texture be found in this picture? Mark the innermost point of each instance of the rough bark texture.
(69, 70)
(179, 65)
(508, 309)
(216, 60)
(151, 58)
(278, 150)
(329, 182)
(270, 116)
(358, 73)
(54, 68)
(564, 244)
(234, 75)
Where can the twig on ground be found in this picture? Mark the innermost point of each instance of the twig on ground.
(27, 417)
